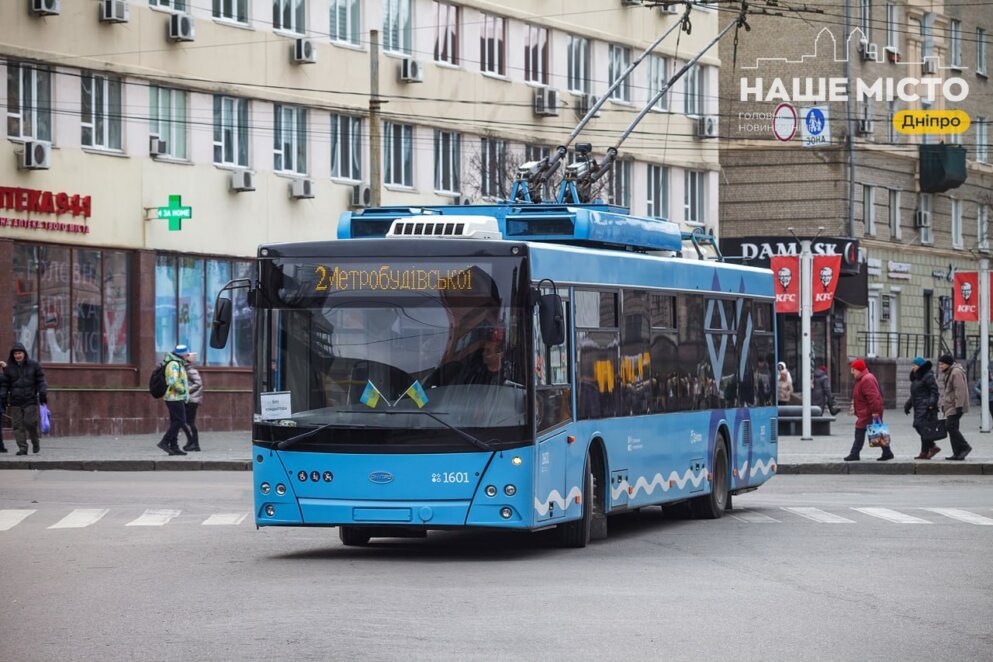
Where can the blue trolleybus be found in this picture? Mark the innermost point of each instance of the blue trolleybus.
(518, 366)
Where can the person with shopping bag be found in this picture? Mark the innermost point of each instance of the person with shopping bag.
(923, 401)
(954, 403)
(867, 405)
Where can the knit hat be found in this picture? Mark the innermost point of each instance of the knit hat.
(918, 361)
(946, 359)
(181, 350)
(859, 364)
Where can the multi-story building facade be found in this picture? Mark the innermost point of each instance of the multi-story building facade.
(864, 182)
(250, 120)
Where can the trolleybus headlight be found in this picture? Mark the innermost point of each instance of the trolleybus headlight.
(280, 489)
(509, 490)
(302, 476)
(328, 476)
(264, 488)
(491, 490)
(270, 510)
(506, 513)
(516, 461)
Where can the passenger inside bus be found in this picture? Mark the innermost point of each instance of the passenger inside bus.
(485, 366)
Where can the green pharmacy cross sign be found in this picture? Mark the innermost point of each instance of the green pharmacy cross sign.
(176, 213)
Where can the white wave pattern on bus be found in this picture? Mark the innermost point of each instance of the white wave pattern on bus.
(760, 466)
(558, 499)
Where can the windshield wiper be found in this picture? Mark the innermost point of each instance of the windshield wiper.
(475, 441)
(286, 443)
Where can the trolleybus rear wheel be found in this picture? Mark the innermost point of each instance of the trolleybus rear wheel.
(713, 505)
(353, 536)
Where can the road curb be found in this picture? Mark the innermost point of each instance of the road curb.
(127, 465)
(889, 468)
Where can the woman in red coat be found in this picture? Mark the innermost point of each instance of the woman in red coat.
(867, 404)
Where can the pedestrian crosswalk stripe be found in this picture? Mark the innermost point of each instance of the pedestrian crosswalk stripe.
(11, 518)
(154, 518)
(752, 517)
(963, 516)
(819, 515)
(80, 518)
(225, 519)
(892, 516)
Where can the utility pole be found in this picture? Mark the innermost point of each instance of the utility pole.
(806, 306)
(984, 343)
(375, 138)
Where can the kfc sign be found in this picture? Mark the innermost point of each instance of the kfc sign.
(965, 297)
(787, 272)
(826, 271)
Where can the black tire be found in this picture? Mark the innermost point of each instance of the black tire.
(713, 505)
(352, 536)
(576, 534)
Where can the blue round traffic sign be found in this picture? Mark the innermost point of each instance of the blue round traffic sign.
(814, 121)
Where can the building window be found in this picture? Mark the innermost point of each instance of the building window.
(579, 64)
(398, 146)
(983, 226)
(620, 59)
(345, 21)
(620, 183)
(492, 50)
(101, 111)
(175, 5)
(397, 36)
(447, 19)
(71, 304)
(290, 139)
(957, 224)
(927, 207)
(289, 15)
(232, 10)
(693, 200)
(981, 51)
(865, 18)
(231, 131)
(185, 291)
(982, 140)
(167, 119)
(658, 191)
(536, 152)
(693, 97)
(869, 209)
(927, 35)
(658, 77)
(891, 28)
(29, 102)
(493, 153)
(447, 161)
(894, 214)
(891, 133)
(536, 54)
(346, 147)
(956, 43)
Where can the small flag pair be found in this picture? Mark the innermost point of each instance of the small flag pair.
(371, 395)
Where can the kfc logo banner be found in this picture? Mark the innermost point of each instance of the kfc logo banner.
(966, 296)
(786, 269)
(826, 271)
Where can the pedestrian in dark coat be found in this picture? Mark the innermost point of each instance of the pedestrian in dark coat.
(954, 402)
(3, 449)
(867, 405)
(821, 395)
(193, 404)
(22, 389)
(923, 401)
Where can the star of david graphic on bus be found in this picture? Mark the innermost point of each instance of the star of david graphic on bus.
(527, 364)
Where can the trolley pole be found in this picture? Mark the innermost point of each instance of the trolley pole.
(806, 305)
(984, 343)
(375, 139)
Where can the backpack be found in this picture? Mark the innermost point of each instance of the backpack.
(157, 382)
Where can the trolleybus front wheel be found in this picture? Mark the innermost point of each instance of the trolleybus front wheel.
(353, 536)
(577, 532)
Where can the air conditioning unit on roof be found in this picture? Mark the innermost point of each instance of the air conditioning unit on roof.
(304, 51)
(181, 27)
(114, 11)
(37, 155)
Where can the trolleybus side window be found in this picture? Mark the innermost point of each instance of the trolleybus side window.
(551, 371)
(636, 367)
(597, 351)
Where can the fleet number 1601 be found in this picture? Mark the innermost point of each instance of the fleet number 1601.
(450, 477)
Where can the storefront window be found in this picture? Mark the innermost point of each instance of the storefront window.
(185, 289)
(64, 309)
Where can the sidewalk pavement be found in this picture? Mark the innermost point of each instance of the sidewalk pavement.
(230, 451)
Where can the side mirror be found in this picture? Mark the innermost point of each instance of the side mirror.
(221, 324)
(551, 319)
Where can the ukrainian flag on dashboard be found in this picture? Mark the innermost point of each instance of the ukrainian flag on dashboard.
(370, 396)
(417, 394)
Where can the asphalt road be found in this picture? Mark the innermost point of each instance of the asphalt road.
(92, 574)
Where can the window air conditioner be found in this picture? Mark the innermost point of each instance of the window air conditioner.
(411, 71)
(706, 126)
(242, 180)
(361, 195)
(37, 155)
(302, 188)
(546, 102)
(930, 66)
(182, 27)
(114, 11)
(157, 146)
(46, 7)
(922, 219)
(869, 51)
(584, 103)
(865, 127)
(304, 51)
